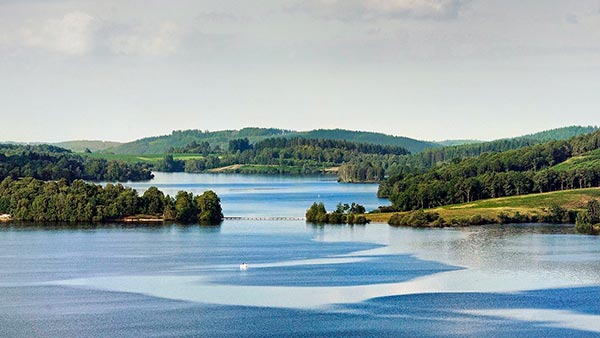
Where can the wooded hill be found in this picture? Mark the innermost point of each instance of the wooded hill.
(285, 156)
(181, 138)
(431, 157)
(47, 162)
(550, 166)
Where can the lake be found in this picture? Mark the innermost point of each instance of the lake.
(262, 195)
(302, 280)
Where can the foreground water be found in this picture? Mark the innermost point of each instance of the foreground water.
(303, 281)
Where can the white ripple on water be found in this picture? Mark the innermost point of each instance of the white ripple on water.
(475, 277)
(201, 290)
(545, 317)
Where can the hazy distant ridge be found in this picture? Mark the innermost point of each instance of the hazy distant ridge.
(82, 145)
(160, 144)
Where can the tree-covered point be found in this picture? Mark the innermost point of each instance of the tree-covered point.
(47, 162)
(30, 199)
(515, 172)
(343, 214)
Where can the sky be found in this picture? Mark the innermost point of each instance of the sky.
(426, 69)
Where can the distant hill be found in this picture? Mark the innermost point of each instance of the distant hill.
(414, 146)
(181, 138)
(431, 157)
(80, 145)
(563, 133)
(161, 144)
(449, 143)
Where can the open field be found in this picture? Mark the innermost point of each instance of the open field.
(533, 204)
(268, 169)
(586, 161)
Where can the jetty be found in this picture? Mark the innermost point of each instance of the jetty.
(263, 218)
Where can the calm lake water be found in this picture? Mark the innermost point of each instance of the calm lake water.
(303, 280)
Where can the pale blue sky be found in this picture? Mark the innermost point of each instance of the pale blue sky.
(428, 69)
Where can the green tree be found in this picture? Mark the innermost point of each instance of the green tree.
(153, 201)
(209, 207)
(186, 209)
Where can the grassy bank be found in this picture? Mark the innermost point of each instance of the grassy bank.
(527, 205)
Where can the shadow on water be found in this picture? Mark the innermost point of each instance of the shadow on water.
(78, 226)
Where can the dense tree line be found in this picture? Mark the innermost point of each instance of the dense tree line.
(491, 175)
(563, 133)
(364, 148)
(203, 148)
(29, 199)
(361, 172)
(240, 145)
(293, 155)
(53, 163)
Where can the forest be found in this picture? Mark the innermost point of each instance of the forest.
(181, 138)
(296, 155)
(514, 172)
(30, 199)
(46, 162)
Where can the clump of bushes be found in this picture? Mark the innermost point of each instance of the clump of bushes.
(420, 218)
(557, 214)
(417, 218)
(588, 221)
(344, 214)
(517, 217)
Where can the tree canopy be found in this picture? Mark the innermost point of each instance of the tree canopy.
(47, 162)
(29, 199)
(515, 172)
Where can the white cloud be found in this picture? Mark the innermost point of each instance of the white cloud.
(78, 33)
(391, 9)
(154, 41)
(73, 34)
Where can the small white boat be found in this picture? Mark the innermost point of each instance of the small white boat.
(244, 266)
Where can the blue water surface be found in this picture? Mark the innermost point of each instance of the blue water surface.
(556, 274)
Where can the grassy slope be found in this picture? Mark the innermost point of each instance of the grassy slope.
(585, 161)
(81, 145)
(533, 204)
